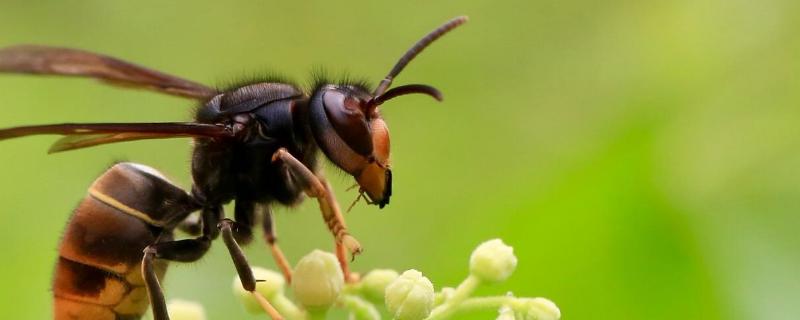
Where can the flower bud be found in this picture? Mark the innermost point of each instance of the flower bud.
(505, 313)
(540, 309)
(410, 296)
(492, 261)
(185, 310)
(270, 283)
(374, 284)
(317, 280)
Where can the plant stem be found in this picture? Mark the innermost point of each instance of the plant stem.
(359, 307)
(484, 303)
(462, 292)
(317, 314)
(287, 308)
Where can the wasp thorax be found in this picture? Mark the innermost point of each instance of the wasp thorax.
(353, 136)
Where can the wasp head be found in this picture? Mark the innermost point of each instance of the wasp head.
(348, 127)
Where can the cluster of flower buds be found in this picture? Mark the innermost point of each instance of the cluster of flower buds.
(318, 285)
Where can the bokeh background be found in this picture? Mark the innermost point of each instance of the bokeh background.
(641, 156)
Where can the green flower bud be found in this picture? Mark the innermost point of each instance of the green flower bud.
(374, 284)
(492, 261)
(539, 309)
(270, 283)
(317, 280)
(410, 296)
(185, 310)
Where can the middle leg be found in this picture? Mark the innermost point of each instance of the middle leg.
(229, 230)
(272, 241)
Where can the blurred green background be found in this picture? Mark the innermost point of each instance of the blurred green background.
(641, 156)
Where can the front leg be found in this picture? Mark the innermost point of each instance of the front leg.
(335, 222)
(302, 175)
(317, 187)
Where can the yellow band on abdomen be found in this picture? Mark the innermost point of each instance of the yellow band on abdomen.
(124, 208)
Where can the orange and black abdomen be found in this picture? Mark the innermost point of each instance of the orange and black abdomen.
(98, 273)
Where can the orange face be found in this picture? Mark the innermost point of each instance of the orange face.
(376, 178)
(353, 136)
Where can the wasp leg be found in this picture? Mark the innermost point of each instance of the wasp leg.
(317, 187)
(242, 233)
(244, 212)
(228, 229)
(210, 214)
(272, 241)
(245, 218)
(301, 174)
(187, 250)
(332, 215)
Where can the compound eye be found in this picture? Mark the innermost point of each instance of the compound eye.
(346, 114)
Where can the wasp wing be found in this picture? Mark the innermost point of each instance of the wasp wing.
(72, 62)
(90, 140)
(83, 135)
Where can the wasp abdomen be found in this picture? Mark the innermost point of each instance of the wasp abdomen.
(98, 274)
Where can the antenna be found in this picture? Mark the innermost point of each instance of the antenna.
(415, 50)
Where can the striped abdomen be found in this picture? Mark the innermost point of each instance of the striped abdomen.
(98, 274)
